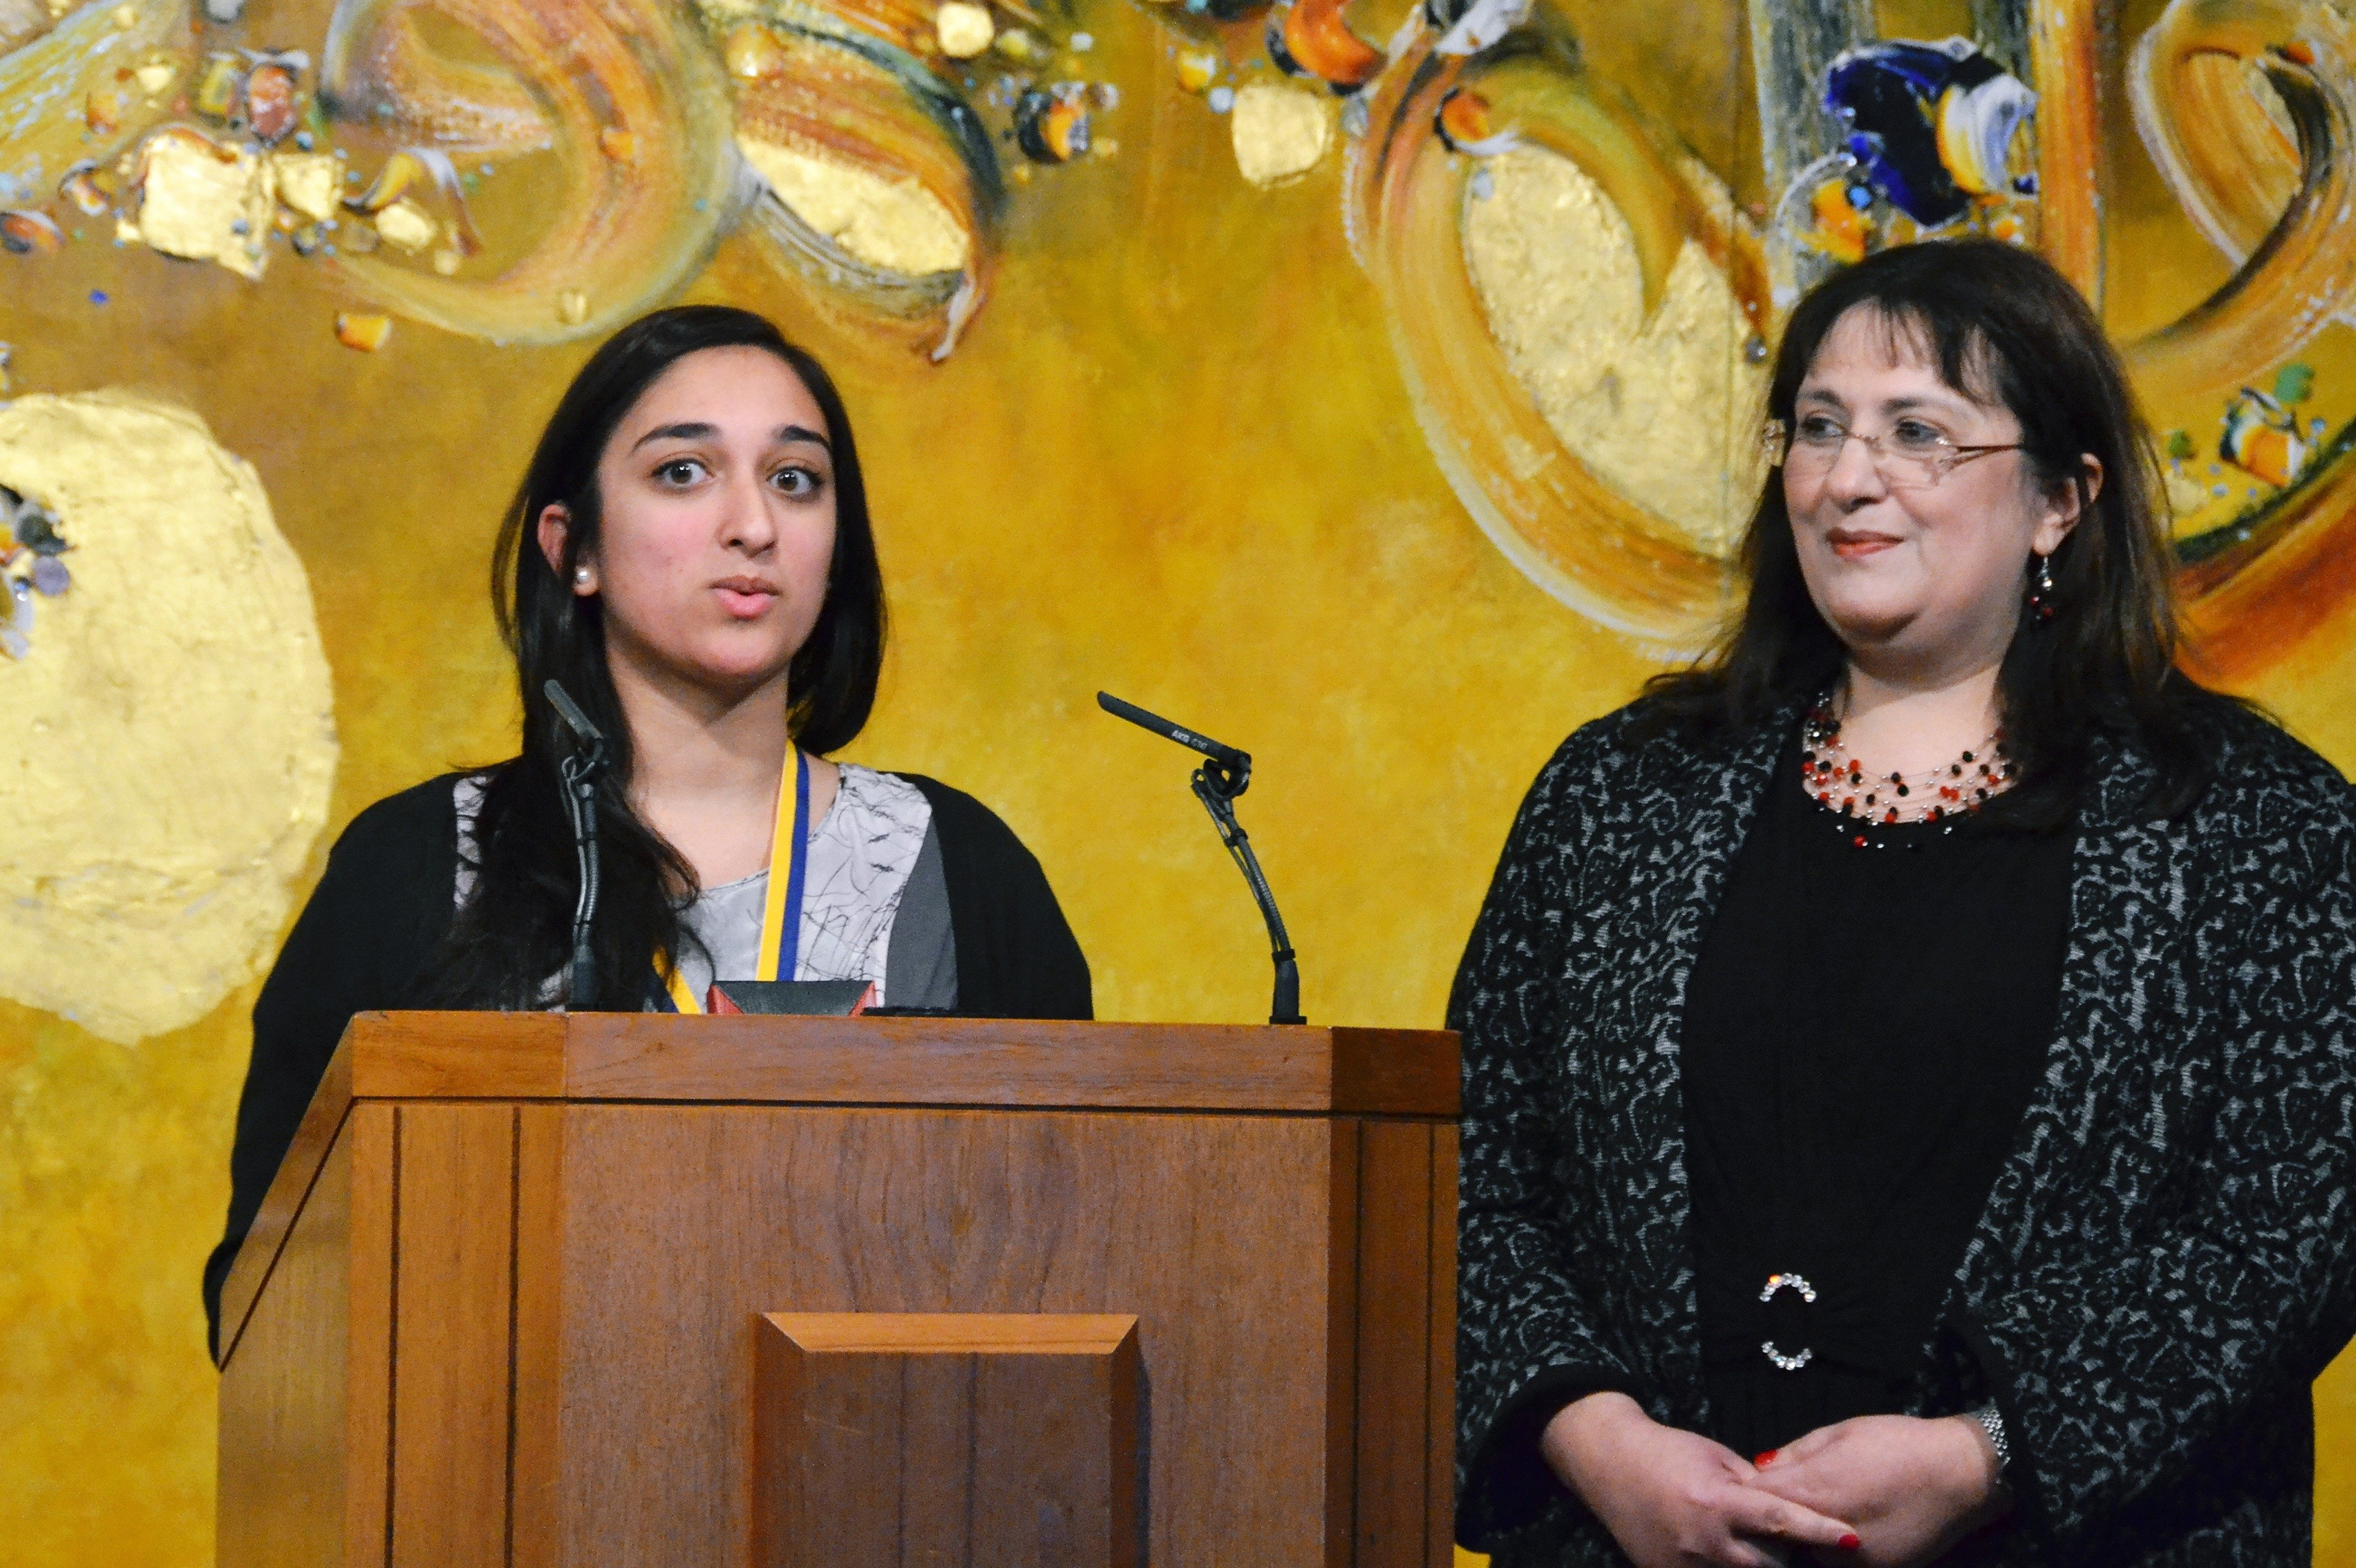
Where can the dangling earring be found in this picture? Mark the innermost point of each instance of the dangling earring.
(2041, 590)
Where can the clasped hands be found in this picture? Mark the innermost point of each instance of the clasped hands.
(1881, 1489)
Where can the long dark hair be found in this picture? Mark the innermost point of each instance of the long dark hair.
(515, 930)
(1999, 323)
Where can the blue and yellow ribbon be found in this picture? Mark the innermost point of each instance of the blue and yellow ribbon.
(781, 911)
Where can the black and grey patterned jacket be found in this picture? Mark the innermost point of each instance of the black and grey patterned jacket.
(2168, 1256)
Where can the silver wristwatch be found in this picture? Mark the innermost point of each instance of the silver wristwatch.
(1991, 1422)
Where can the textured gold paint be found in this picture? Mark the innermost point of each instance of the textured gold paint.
(1280, 133)
(1661, 408)
(1174, 458)
(964, 30)
(21, 21)
(894, 224)
(405, 226)
(310, 183)
(199, 204)
(171, 738)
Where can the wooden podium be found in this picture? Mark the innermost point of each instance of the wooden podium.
(617, 1289)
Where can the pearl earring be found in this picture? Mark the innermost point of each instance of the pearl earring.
(581, 576)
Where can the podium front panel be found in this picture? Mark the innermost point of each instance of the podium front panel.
(539, 1343)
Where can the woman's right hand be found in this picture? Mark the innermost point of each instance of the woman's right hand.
(1671, 1498)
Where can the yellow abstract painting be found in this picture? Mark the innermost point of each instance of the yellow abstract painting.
(1370, 383)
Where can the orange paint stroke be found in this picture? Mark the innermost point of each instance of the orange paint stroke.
(1320, 41)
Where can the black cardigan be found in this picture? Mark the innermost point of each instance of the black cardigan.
(383, 907)
(2166, 1261)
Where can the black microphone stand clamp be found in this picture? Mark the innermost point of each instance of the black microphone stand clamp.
(1225, 775)
(582, 771)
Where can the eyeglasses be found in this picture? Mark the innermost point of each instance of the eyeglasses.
(1909, 456)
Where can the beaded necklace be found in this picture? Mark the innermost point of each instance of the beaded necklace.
(1948, 794)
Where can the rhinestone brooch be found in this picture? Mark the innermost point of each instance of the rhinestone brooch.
(1807, 1293)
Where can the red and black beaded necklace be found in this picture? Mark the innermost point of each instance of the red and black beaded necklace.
(1948, 794)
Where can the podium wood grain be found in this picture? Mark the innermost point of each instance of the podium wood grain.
(904, 1440)
(507, 1312)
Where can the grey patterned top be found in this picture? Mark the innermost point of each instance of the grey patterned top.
(875, 903)
(2168, 1258)
(875, 906)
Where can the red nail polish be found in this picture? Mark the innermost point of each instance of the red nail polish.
(1766, 1459)
(1850, 1543)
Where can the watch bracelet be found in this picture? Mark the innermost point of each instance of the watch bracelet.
(1991, 1422)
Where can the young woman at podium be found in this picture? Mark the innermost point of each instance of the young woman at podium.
(1909, 1106)
(690, 558)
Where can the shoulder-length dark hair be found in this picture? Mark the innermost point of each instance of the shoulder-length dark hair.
(2004, 327)
(515, 930)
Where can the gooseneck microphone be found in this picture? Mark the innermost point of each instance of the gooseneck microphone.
(581, 771)
(1225, 775)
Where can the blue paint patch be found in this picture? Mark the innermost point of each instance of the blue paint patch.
(1929, 125)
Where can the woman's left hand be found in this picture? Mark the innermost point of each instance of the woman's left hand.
(1910, 1489)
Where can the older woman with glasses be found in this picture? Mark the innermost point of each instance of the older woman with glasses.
(1911, 1056)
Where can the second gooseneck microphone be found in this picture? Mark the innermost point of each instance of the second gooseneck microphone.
(581, 771)
(1217, 782)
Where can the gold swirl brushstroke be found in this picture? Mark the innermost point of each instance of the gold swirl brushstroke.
(1576, 535)
(2277, 196)
(2248, 108)
(419, 94)
(47, 87)
(642, 175)
(879, 183)
(2280, 575)
(908, 26)
(2225, 153)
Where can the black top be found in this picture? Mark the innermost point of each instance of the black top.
(383, 907)
(1869, 1011)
